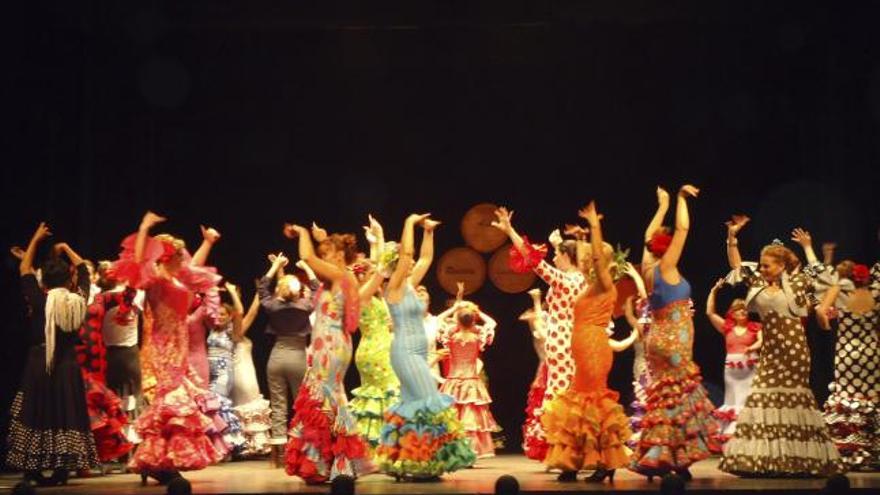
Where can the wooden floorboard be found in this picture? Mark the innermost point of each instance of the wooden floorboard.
(257, 477)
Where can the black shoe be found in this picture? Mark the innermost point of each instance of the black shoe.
(567, 476)
(59, 477)
(685, 474)
(599, 475)
(162, 477)
(37, 478)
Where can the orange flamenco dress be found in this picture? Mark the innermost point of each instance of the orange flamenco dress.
(586, 426)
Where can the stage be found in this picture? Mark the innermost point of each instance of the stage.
(257, 477)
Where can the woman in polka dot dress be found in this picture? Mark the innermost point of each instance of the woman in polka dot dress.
(780, 431)
(566, 284)
(851, 412)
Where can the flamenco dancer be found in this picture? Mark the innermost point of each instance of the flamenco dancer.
(780, 431)
(49, 423)
(465, 341)
(422, 438)
(851, 292)
(638, 315)
(533, 316)
(743, 339)
(586, 427)
(323, 436)
(565, 282)
(178, 435)
(119, 329)
(107, 416)
(678, 428)
(251, 408)
(379, 386)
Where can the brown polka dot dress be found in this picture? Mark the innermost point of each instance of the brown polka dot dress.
(780, 431)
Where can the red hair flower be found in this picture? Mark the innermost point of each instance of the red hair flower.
(659, 243)
(861, 274)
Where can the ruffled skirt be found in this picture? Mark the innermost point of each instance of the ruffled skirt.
(180, 431)
(472, 406)
(854, 423)
(424, 439)
(256, 421)
(368, 406)
(107, 419)
(534, 441)
(586, 430)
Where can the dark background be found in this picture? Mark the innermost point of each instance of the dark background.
(246, 115)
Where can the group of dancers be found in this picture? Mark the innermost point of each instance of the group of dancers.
(187, 396)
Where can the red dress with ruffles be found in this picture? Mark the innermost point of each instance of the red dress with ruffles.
(179, 428)
(106, 416)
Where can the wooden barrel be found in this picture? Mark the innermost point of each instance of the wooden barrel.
(503, 277)
(461, 264)
(477, 229)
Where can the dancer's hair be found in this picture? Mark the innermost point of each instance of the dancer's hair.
(345, 243)
(783, 255)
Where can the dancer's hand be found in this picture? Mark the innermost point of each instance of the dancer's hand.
(503, 219)
(735, 224)
(535, 293)
(662, 196)
(802, 237)
(417, 218)
(590, 214)
(150, 219)
(231, 288)
(318, 233)
(210, 234)
(430, 224)
(555, 238)
(292, 231)
(688, 190)
(17, 252)
(718, 284)
(631, 270)
(576, 231)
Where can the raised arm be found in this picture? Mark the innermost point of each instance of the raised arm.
(426, 253)
(602, 261)
(279, 261)
(634, 274)
(828, 252)
(324, 269)
(26, 266)
(805, 240)
(716, 320)
(758, 342)
(655, 224)
(503, 219)
(734, 225)
(210, 236)
(64, 248)
(369, 288)
(405, 257)
(150, 219)
(238, 311)
(376, 238)
(251, 315)
(669, 261)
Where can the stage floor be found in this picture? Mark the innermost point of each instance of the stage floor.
(257, 477)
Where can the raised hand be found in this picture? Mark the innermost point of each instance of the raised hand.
(292, 230)
(662, 196)
(555, 238)
(735, 224)
(503, 217)
(430, 224)
(150, 219)
(535, 293)
(718, 284)
(459, 293)
(231, 288)
(802, 237)
(417, 218)
(318, 233)
(590, 214)
(210, 234)
(689, 190)
(17, 252)
(576, 231)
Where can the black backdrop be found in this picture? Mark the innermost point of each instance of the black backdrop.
(246, 115)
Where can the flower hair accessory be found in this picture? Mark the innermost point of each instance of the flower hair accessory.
(388, 258)
(659, 243)
(168, 251)
(777, 242)
(618, 262)
(860, 274)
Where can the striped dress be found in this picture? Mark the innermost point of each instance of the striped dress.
(422, 437)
